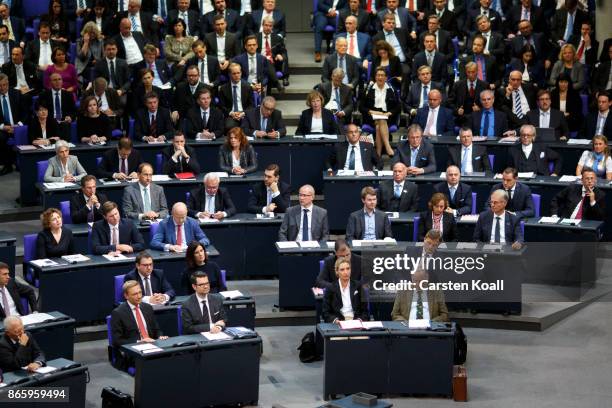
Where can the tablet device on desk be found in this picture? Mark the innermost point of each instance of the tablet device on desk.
(544, 135)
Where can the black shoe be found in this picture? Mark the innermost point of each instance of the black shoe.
(285, 82)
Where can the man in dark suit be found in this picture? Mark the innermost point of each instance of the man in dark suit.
(142, 20)
(271, 196)
(44, 42)
(11, 293)
(272, 46)
(368, 223)
(341, 59)
(268, 9)
(232, 18)
(416, 153)
(154, 123)
(265, 121)
(443, 42)
(327, 275)
(189, 16)
(518, 13)
(114, 70)
(130, 44)
(16, 25)
(85, 205)
(435, 119)
(602, 77)
(353, 154)
(114, 235)
(486, 63)
(600, 122)
(464, 96)
(398, 194)
(209, 200)
(516, 99)
(406, 20)
(208, 66)
(432, 58)
(161, 72)
(459, 194)
(520, 201)
(180, 158)
(547, 117)
(483, 8)
(488, 121)
(185, 92)
(338, 97)
(359, 44)
(120, 163)
(467, 156)
(6, 45)
(16, 113)
(154, 285)
(491, 222)
(203, 311)
(414, 96)
(533, 157)
(399, 39)
(354, 9)
(256, 69)
(326, 13)
(32, 82)
(581, 202)
(18, 348)
(60, 104)
(203, 120)
(536, 40)
(235, 97)
(231, 41)
(562, 27)
(447, 20)
(306, 221)
(132, 321)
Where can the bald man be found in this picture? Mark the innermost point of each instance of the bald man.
(434, 118)
(176, 232)
(18, 348)
(498, 226)
(517, 98)
(306, 221)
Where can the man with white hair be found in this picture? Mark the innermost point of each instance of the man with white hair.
(176, 232)
(338, 97)
(306, 221)
(18, 348)
(498, 226)
(210, 200)
(341, 59)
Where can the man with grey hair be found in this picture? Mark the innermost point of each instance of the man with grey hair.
(272, 46)
(341, 59)
(533, 157)
(337, 96)
(210, 200)
(496, 225)
(18, 348)
(306, 221)
(265, 121)
(517, 98)
(489, 121)
(417, 154)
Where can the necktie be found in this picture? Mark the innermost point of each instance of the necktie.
(337, 95)
(147, 200)
(580, 50)
(352, 45)
(518, 110)
(113, 78)
(6, 111)
(425, 95)
(472, 91)
(413, 156)
(252, 66)
(204, 119)
(269, 196)
(351, 163)
(268, 49)
(179, 235)
(235, 98)
(411, 6)
(342, 65)
(82, 4)
(43, 50)
(419, 311)
(464, 161)
(115, 236)
(430, 123)
(211, 204)
(205, 313)
(452, 191)
(429, 59)
(153, 126)
(485, 127)
(90, 214)
(124, 169)
(369, 6)
(481, 68)
(202, 70)
(5, 303)
(121, 6)
(140, 322)
(58, 107)
(134, 23)
(162, 6)
(305, 226)
(398, 190)
(497, 238)
(7, 54)
(510, 205)
(569, 27)
(579, 213)
(147, 285)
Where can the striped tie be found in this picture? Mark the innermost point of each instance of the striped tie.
(517, 105)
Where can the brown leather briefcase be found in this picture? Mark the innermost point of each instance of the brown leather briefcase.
(459, 383)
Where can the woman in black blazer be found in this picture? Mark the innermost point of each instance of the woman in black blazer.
(43, 129)
(535, 67)
(384, 57)
(93, 126)
(438, 218)
(317, 119)
(53, 241)
(197, 261)
(565, 98)
(381, 100)
(332, 302)
(236, 155)
(143, 88)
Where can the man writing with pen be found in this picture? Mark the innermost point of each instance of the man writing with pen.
(264, 122)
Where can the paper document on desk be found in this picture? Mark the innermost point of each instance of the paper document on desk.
(393, 214)
(383, 173)
(548, 220)
(161, 177)
(467, 245)
(110, 182)
(350, 324)
(443, 175)
(469, 218)
(146, 348)
(331, 244)
(317, 291)
(374, 242)
(578, 141)
(75, 258)
(231, 294)
(287, 244)
(568, 179)
(498, 176)
(372, 325)
(35, 318)
(309, 244)
(208, 220)
(492, 247)
(322, 136)
(44, 262)
(526, 174)
(418, 324)
(58, 185)
(220, 174)
(117, 257)
(345, 172)
(45, 370)
(216, 336)
(569, 221)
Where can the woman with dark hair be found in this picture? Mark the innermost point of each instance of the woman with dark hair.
(58, 21)
(43, 129)
(143, 88)
(236, 155)
(197, 261)
(384, 56)
(54, 240)
(565, 98)
(178, 45)
(66, 70)
(530, 66)
(92, 125)
(317, 119)
(597, 159)
(438, 218)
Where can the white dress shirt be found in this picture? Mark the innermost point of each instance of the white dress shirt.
(544, 118)
(21, 79)
(347, 307)
(358, 162)
(220, 47)
(468, 158)
(502, 228)
(299, 235)
(132, 52)
(527, 149)
(44, 57)
(380, 96)
(316, 126)
(11, 304)
(601, 122)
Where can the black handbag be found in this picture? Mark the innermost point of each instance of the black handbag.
(114, 398)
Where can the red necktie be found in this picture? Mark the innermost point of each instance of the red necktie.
(179, 236)
(123, 166)
(352, 45)
(580, 50)
(140, 322)
(472, 90)
(411, 6)
(479, 64)
(268, 50)
(369, 6)
(579, 213)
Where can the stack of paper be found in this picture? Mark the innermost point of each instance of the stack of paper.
(548, 220)
(393, 214)
(117, 257)
(331, 244)
(208, 220)
(418, 324)
(350, 324)
(569, 221)
(26, 147)
(216, 336)
(380, 117)
(231, 294)
(469, 218)
(75, 258)
(374, 242)
(568, 179)
(287, 244)
(526, 174)
(467, 245)
(220, 174)
(44, 262)
(35, 318)
(443, 175)
(45, 370)
(161, 177)
(492, 247)
(146, 348)
(57, 185)
(383, 173)
(110, 182)
(345, 173)
(365, 173)
(372, 325)
(498, 176)
(578, 141)
(309, 244)
(508, 139)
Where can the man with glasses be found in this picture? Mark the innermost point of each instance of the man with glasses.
(265, 122)
(547, 117)
(155, 287)
(306, 221)
(203, 311)
(533, 157)
(210, 200)
(517, 99)
(498, 226)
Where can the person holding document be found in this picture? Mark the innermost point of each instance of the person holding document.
(18, 348)
(343, 299)
(420, 303)
(306, 221)
(203, 311)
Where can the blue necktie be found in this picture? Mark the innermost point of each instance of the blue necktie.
(162, 6)
(485, 130)
(338, 98)
(569, 28)
(351, 165)
(464, 161)
(6, 111)
(413, 156)
(425, 96)
(134, 23)
(398, 190)
(263, 124)
(58, 107)
(452, 190)
(497, 238)
(235, 98)
(342, 65)
(305, 226)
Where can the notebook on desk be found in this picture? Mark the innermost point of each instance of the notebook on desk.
(544, 135)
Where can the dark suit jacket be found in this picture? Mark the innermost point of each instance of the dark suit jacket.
(408, 200)
(279, 22)
(514, 16)
(114, 100)
(346, 98)
(363, 20)
(448, 21)
(352, 69)
(232, 45)
(590, 126)
(181, 166)
(538, 159)
(277, 44)
(409, 23)
(355, 227)
(197, 201)
(332, 302)
(214, 122)
(17, 105)
(17, 290)
(13, 357)
(411, 93)
(474, 11)
(445, 43)
(539, 44)
(330, 126)
(193, 319)
(226, 101)
(79, 211)
(535, 70)
(141, 41)
(600, 76)
(124, 327)
(521, 202)
(110, 163)
(248, 159)
(327, 275)
(122, 73)
(258, 196)
(559, 21)
(232, 18)
(183, 98)
(212, 66)
(142, 125)
(32, 51)
(480, 157)
(252, 122)
(263, 70)
(128, 235)
(404, 39)
(445, 122)
(363, 45)
(506, 104)
(491, 70)
(319, 226)
(149, 28)
(484, 225)
(29, 71)
(438, 68)
(369, 159)
(66, 100)
(565, 201)
(449, 227)
(501, 122)
(165, 75)
(159, 283)
(462, 201)
(425, 160)
(557, 121)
